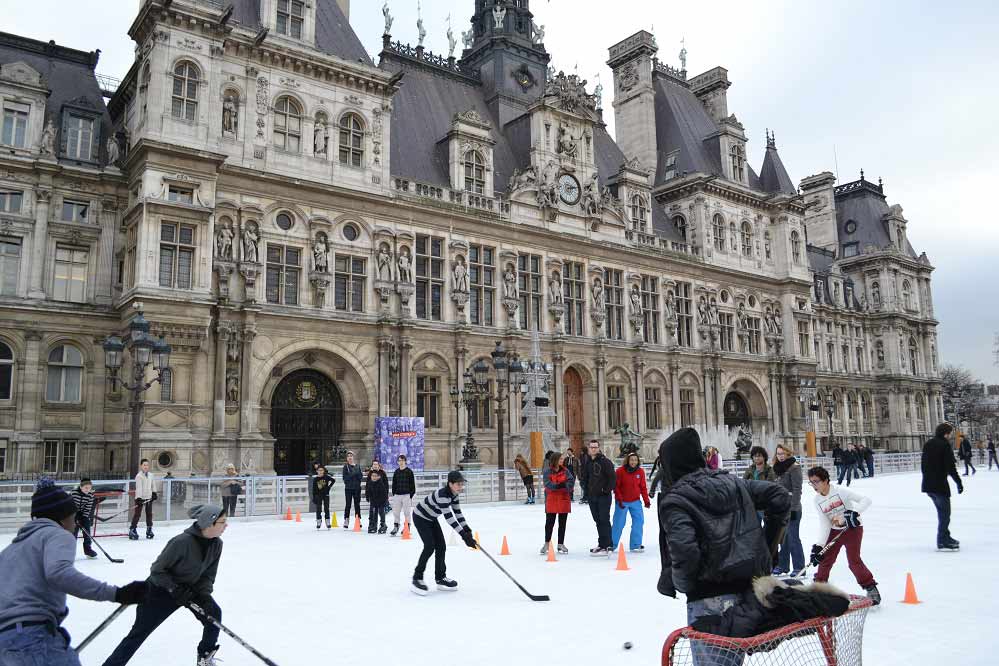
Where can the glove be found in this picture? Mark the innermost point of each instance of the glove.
(652, 494)
(816, 557)
(155, 497)
(561, 484)
(182, 594)
(795, 515)
(960, 487)
(620, 505)
(133, 593)
(466, 536)
(648, 505)
(852, 519)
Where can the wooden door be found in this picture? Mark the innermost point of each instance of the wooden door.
(573, 385)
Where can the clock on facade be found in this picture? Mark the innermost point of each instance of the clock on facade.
(568, 189)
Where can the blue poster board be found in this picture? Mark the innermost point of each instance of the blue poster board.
(399, 434)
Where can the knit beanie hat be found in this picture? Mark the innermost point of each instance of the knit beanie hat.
(51, 501)
(204, 515)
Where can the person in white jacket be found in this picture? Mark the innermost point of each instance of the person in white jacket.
(839, 510)
(144, 496)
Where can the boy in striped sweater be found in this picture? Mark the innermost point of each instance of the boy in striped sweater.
(441, 501)
(83, 498)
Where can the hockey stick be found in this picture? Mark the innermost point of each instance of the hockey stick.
(532, 597)
(208, 618)
(99, 546)
(821, 553)
(113, 515)
(101, 627)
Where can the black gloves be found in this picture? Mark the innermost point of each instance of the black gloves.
(155, 497)
(960, 487)
(560, 484)
(133, 593)
(466, 536)
(852, 519)
(182, 594)
(816, 557)
(795, 515)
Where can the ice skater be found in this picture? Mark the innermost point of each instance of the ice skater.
(183, 573)
(789, 477)
(322, 484)
(144, 498)
(558, 481)
(598, 481)
(352, 477)
(376, 492)
(937, 465)
(992, 453)
(83, 498)
(839, 511)
(403, 489)
(630, 492)
(526, 476)
(966, 456)
(444, 500)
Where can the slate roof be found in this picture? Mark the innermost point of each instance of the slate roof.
(864, 204)
(773, 175)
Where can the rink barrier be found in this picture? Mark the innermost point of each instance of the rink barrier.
(272, 496)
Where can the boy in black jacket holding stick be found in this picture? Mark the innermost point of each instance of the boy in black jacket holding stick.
(322, 484)
(83, 498)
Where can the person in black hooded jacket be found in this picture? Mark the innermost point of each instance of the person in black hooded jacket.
(710, 539)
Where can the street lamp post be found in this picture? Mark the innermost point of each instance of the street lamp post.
(508, 376)
(468, 397)
(830, 403)
(143, 348)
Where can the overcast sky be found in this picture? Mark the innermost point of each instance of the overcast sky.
(904, 89)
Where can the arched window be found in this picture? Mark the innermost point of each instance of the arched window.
(475, 172)
(186, 76)
(166, 386)
(681, 226)
(733, 236)
(288, 125)
(850, 401)
(351, 140)
(639, 213)
(65, 374)
(865, 407)
(718, 226)
(738, 156)
(796, 247)
(747, 239)
(6, 371)
(906, 294)
(913, 356)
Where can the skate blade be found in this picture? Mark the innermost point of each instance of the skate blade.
(444, 588)
(418, 591)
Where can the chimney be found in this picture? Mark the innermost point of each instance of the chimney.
(711, 88)
(820, 210)
(345, 8)
(634, 97)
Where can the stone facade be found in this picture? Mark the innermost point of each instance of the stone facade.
(270, 211)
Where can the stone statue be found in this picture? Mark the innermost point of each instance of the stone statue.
(48, 139)
(537, 33)
(388, 18)
(566, 142)
(230, 115)
(702, 312)
(768, 322)
(460, 276)
(522, 179)
(499, 14)
(598, 95)
(548, 189)
(778, 321)
(224, 242)
(320, 138)
(743, 442)
(713, 311)
(555, 288)
(383, 264)
(421, 31)
(232, 387)
(597, 292)
(467, 36)
(320, 256)
(510, 289)
(820, 292)
(670, 307)
(876, 295)
(251, 240)
(451, 42)
(114, 151)
(405, 272)
(836, 300)
(393, 378)
(630, 440)
(636, 300)
(591, 199)
(881, 354)
(743, 317)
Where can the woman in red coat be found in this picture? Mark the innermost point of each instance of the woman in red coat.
(559, 482)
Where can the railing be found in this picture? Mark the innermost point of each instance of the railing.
(272, 496)
(453, 198)
(108, 84)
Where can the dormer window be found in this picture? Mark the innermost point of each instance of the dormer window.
(290, 18)
(738, 156)
(670, 166)
(639, 213)
(475, 172)
(79, 137)
(15, 124)
(681, 226)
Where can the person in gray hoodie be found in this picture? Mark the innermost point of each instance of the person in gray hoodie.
(38, 573)
(183, 574)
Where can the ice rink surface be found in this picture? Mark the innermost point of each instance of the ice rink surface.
(336, 597)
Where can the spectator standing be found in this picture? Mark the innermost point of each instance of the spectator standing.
(376, 491)
(322, 484)
(937, 465)
(599, 479)
(759, 470)
(837, 456)
(790, 477)
(232, 488)
(403, 489)
(992, 453)
(712, 458)
(869, 461)
(313, 470)
(558, 481)
(848, 466)
(352, 477)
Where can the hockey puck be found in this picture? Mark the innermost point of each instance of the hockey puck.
(627, 645)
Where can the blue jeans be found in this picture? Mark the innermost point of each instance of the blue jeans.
(707, 654)
(36, 646)
(847, 471)
(942, 504)
(637, 523)
(791, 550)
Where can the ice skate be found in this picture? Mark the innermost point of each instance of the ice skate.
(149, 533)
(562, 549)
(600, 552)
(208, 658)
(329, 524)
(873, 594)
(133, 535)
(395, 530)
(544, 550)
(89, 552)
(638, 549)
(419, 587)
(949, 545)
(319, 523)
(372, 529)
(445, 584)
(383, 529)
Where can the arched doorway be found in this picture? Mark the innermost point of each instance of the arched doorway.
(306, 421)
(573, 384)
(737, 411)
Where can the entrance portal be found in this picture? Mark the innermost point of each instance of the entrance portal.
(306, 421)
(573, 385)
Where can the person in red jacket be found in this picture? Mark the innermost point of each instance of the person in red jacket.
(629, 492)
(559, 482)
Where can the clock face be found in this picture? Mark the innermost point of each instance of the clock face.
(568, 189)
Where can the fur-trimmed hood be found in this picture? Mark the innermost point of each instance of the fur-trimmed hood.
(764, 588)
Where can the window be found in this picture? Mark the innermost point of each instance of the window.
(670, 165)
(831, 356)
(614, 294)
(860, 359)
(846, 358)
(10, 266)
(65, 374)
(850, 400)
(653, 408)
(850, 249)
(185, 91)
(615, 405)
(475, 172)
(529, 283)
(283, 270)
(481, 413)
(59, 456)
(738, 156)
(166, 386)
(906, 295)
(180, 195)
(803, 332)
(15, 124)
(680, 225)
(428, 400)
(290, 18)
(351, 140)
(684, 315)
(753, 335)
(284, 221)
(718, 227)
(176, 256)
(50, 461)
(70, 274)
(349, 283)
(10, 202)
(796, 247)
(288, 125)
(3, 456)
(79, 137)
(482, 281)
(650, 309)
(747, 239)
(639, 213)
(727, 321)
(429, 277)
(6, 372)
(733, 237)
(75, 211)
(573, 293)
(686, 408)
(350, 232)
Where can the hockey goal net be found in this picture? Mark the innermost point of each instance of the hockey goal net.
(824, 641)
(112, 513)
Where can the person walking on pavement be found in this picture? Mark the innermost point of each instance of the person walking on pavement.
(630, 492)
(598, 479)
(937, 465)
(144, 498)
(966, 455)
(558, 481)
(352, 477)
(789, 476)
(403, 489)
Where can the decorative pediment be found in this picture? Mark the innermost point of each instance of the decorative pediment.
(570, 92)
(472, 117)
(20, 72)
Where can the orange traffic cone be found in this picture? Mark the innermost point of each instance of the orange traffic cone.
(405, 531)
(298, 516)
(287, 515)
(504, 549)
(334, 520)
(622, 561)
(910, 591)
(357, 523)
(551, 552)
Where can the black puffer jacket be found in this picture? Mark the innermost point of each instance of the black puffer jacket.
(937, 464)
(710, 538)
(599, 476)
(403, 482)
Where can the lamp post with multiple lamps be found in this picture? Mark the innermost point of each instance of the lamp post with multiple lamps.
(468, 396)
(143, 349)
(830, 406)
(508, 381)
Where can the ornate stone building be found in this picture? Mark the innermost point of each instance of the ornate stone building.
(322, 241)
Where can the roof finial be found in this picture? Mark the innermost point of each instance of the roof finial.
(861, 175)
(683, 55)
(770, 139)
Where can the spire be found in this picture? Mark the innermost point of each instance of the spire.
(773, 175)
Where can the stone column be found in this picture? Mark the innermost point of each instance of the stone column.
(405, 377)
(39, 240)
(247, 418)
(706, 393)
(719, 398)
(558, 362)
(674, 387)
(601, 364)
(105, 257)
(461, 362)
(223, 332)
(384, 349)
(639, 384)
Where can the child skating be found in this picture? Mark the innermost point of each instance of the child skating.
(376, 492)
(83, 498)
(442, 501)
(322, 484)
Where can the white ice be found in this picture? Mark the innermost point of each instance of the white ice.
(336, 597)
